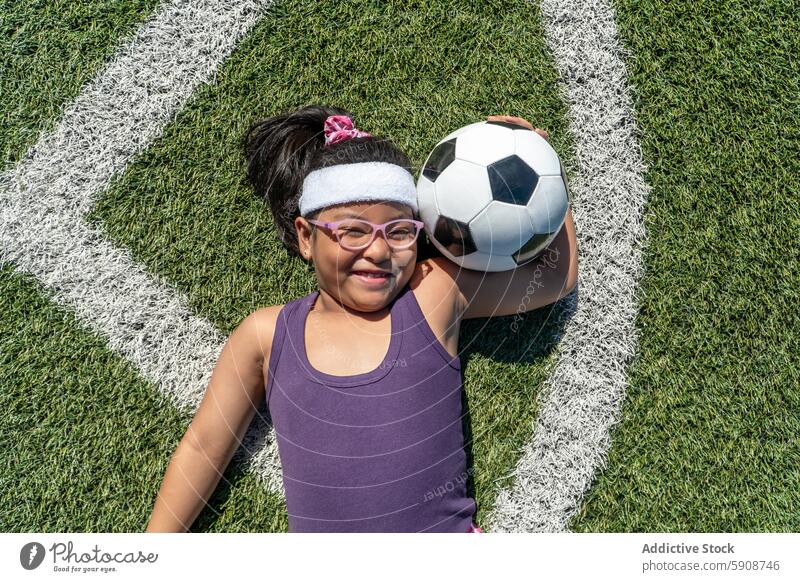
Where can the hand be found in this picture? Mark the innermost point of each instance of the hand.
(519, 121)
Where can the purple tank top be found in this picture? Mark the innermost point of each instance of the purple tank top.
(381, 451)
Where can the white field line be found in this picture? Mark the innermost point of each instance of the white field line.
(582, 399)
(45, 197)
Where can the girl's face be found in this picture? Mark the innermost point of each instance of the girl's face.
(334, 265)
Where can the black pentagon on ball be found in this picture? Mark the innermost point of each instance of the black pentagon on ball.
(454, 236)
(441, 157)
(512, 180)
(531, 249)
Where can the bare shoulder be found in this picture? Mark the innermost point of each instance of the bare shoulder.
(265, 319)
(436, 279)
(263, 329)
(439, 300)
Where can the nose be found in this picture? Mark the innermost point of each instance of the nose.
(379, 249)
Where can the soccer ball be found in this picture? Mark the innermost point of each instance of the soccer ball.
(492, 195)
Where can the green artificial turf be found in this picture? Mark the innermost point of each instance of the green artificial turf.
(710, 439)
(48, 50)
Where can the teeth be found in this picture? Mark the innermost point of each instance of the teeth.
(373, 275)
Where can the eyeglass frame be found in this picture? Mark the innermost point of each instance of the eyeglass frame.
(376, 228)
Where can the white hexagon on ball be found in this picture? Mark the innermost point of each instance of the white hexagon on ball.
(461, 130)
(537, 153)
(426, 201)
(480, 261)
(462, 176)
(548, 205)
(501, 228)
(485, 143)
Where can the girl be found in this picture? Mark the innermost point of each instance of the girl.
(361, 377)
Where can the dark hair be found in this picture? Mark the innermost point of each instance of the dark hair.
(281, 150)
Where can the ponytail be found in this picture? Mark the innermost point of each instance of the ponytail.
(281, 150)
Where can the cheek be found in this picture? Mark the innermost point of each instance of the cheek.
(336, 259)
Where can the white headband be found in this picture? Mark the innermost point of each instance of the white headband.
(363, 181)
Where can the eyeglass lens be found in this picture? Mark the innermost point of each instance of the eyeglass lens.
(357, 233)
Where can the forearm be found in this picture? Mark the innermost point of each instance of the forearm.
(573, 246)
(190, 479)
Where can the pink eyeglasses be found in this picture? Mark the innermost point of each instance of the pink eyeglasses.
(355, 234)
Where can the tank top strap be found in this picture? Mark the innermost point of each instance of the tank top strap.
(418, 330)
(282, 328)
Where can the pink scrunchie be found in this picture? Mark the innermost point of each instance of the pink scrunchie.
(340, 128)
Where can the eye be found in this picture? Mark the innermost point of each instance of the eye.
(402, 229)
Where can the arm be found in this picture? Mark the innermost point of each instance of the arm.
(230, 401)
(540, 282)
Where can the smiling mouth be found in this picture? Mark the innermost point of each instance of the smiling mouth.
(372, 275)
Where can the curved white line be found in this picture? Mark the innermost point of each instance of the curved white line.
(582, 399)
